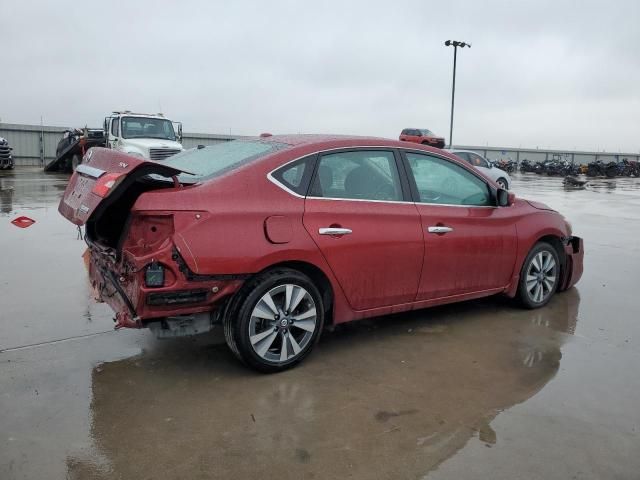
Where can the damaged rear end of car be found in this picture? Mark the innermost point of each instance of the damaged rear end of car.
(135, 261)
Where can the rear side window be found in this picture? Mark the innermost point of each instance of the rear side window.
(295, 176)
(440, 181)
(359, 175)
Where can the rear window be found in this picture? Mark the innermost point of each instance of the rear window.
(216, 160)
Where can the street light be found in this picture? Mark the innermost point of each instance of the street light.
(455, 44)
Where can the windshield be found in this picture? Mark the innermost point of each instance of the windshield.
(427, 132)
(215, 160)
(143, 127)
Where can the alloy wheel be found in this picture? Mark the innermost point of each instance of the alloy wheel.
(541, 276)
(282, 323)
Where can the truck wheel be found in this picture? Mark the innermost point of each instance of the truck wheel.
(75, 161)
(539, 276)
(274, 321)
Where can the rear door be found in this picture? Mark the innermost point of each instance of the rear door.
(470, 244)
(371, 237)
(101, 173)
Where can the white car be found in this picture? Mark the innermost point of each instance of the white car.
(499, 176)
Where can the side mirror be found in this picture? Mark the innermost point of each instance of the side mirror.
(505, 198)
(179, 124)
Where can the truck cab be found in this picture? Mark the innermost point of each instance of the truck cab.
(152, 137)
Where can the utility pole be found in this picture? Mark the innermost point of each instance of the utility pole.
(455, 44)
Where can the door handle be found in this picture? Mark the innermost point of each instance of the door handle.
(334, 231)
(439, 229)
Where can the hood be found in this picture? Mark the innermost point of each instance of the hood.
(146, 143)
(540, 205)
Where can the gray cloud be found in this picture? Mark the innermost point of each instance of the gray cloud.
(547, 73)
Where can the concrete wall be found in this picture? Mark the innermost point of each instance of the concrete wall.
(32, 144)
(36, 145)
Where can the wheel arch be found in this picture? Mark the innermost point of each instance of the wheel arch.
(556, 242)
(552, 237)
(319, 278)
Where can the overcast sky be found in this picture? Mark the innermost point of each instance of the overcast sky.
(562, 74)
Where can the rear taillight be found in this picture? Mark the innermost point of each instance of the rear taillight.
(107, 183)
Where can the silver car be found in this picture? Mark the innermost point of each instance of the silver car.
(499, 176)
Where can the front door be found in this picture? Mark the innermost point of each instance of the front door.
(470, 244)
(369, 235)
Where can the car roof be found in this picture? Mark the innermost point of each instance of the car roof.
(460, 150)
(328, 141)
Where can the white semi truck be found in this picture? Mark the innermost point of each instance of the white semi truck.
(148, 136)
(152, 137)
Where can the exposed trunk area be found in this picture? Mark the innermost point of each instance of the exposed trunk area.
(109, 222)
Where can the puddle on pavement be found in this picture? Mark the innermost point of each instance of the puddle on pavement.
(384, 398)
(377, 396)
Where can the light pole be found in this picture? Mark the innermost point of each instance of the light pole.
(455, 44)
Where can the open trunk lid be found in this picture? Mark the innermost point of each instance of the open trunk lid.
(99, 178)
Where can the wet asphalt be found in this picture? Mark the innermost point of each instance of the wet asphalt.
(475, 390)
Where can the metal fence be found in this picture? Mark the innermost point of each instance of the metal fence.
(539, 155)
(36, 145)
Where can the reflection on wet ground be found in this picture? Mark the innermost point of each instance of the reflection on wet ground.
(480, 389)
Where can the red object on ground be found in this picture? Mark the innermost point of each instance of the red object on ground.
(23, 222)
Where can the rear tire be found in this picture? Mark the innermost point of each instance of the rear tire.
(539, 276)
(275, 320)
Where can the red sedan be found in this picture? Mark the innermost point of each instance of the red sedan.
(275, 237)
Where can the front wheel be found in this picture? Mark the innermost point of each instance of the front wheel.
(539, 276)
(275, 320)
(503, 183)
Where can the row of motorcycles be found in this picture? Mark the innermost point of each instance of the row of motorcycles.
(563, 168)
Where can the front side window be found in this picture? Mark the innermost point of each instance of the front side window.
(463, 155)
(114, 127)
(359, 175)
(478, 161)
(440, 181)
(143, 127)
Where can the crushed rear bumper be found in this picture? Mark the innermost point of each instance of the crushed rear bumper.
(121, 284)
